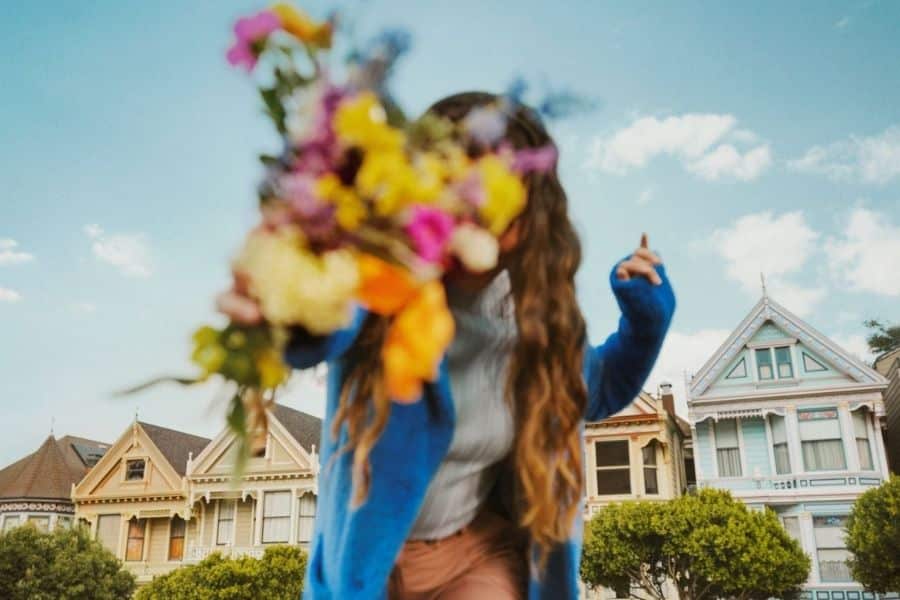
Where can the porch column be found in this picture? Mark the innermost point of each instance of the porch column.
(792, 428)
(808, 537)
(880, 453)
(848, 437)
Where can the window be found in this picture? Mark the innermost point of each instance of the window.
(134, 470)
(135, 548)
(764, 364)
(820, 440)
(783, 361)
(10, 521)
(831, 549)
(780, 445)
(64, 522)
(307, 515)
(41, 523)
(176, 538)
(739, 371)
(225, 527)
(728, 451)
(613, 468)
(792, 526)
(861, 432)
(108, 532)
(811, 365)
(648, 455)
(276, 517)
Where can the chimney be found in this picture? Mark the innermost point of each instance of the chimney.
(667, 397)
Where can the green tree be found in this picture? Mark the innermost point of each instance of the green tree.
(64, 564)
(707, 545)
(277, 575)
(873, 537)
(883, 337)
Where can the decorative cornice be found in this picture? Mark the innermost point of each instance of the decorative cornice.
(42, 507)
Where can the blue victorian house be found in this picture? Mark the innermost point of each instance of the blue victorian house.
(786, 419)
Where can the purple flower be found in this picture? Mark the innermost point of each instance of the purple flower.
(486, 125)
(316, 218)
(249, 31)
(539, 160)
(471, 189)
(430, 230)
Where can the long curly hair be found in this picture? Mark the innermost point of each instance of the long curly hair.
(544, 386)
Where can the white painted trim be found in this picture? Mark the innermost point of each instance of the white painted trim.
(848, 437)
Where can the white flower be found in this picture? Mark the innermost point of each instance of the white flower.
(301, 109)
(475, 247)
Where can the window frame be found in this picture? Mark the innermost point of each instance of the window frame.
(618, 467)
(269, 518)
(820, 548)
(864, 415)
(839, 439)
(126, 476)
(770, 431)
(182, 537)
(740, 448)
(653, 447)
(306, 519)
(129, 537)
(219, 519)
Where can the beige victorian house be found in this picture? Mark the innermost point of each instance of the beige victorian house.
(274, 502)
(636, 454)
(135, 499)
(161, 498)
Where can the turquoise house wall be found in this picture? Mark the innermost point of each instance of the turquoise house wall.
(756, 447)
(703, 452)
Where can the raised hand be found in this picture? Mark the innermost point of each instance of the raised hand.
(642, 263)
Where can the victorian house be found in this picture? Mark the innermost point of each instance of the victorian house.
(786, 419)
(36, 489)
(636, 454)
(161, 498)
(888, 364)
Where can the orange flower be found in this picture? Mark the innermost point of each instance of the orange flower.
(415, 343)
(384, 288)
(302, 27)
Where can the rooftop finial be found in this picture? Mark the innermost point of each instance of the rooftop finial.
(762, 278)
(52, 423)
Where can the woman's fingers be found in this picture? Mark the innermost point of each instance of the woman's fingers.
(239, 308)
(648, 255)
(640, 267)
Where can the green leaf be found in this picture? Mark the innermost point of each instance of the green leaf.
(274, 108)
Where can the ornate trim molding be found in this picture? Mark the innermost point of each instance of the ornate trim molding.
(43, 507)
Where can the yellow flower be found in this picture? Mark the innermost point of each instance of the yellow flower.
(296, 287)
(504, 192)
(361, 121)
(350, 209)
(388, 179)
(301, 26)
(271, 368)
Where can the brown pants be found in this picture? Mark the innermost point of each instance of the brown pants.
(483, 561)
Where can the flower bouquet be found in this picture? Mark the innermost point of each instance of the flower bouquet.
(360, 208)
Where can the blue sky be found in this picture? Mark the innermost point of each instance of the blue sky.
(741, 136)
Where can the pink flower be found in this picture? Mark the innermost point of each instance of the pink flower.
(535, 159)
(249, 31)
(430, 230)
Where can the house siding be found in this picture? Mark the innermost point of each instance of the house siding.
(756, 447)
(703, 455)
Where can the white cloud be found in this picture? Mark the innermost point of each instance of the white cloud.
(856, 345)
(9, 255)
(726, 161)
(645, 196)
(842, 23)
(84, 307)
(776, 246)
(10, 296)
(874, 159)
(699, 141)
(682, 355)
(127, 252)
(866, 255)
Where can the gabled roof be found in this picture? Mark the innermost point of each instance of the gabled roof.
(176, 446)
(885, 362)
(49, 472)
(769, 310)
(305, 428)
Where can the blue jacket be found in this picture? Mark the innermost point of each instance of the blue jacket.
(354, 550)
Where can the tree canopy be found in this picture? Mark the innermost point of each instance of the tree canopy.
(883, 337)
(66, 563)
(278, 575)
(707, 545)
(873, 537)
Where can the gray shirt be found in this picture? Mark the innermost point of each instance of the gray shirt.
(477, 360)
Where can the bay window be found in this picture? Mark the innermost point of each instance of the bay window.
(648, 455)
(613, 468)
(769, 367)
(276, 517)
(820, 440)
(225, 526)
(306, 517)
(780, 445)
(134, 550)
(728, 450)
(831, 549)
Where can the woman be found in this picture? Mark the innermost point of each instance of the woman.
(475, 492)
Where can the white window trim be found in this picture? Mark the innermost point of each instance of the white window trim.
(289, 516)
(740, 437)
(631, 476)
(126, 460)
(847, 462)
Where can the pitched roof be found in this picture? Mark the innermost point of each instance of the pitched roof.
(768, 310)
(49, 472)
(305, 428)
(176, 446)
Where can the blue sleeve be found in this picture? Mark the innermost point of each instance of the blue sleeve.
(305, 350)
(616, 370)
